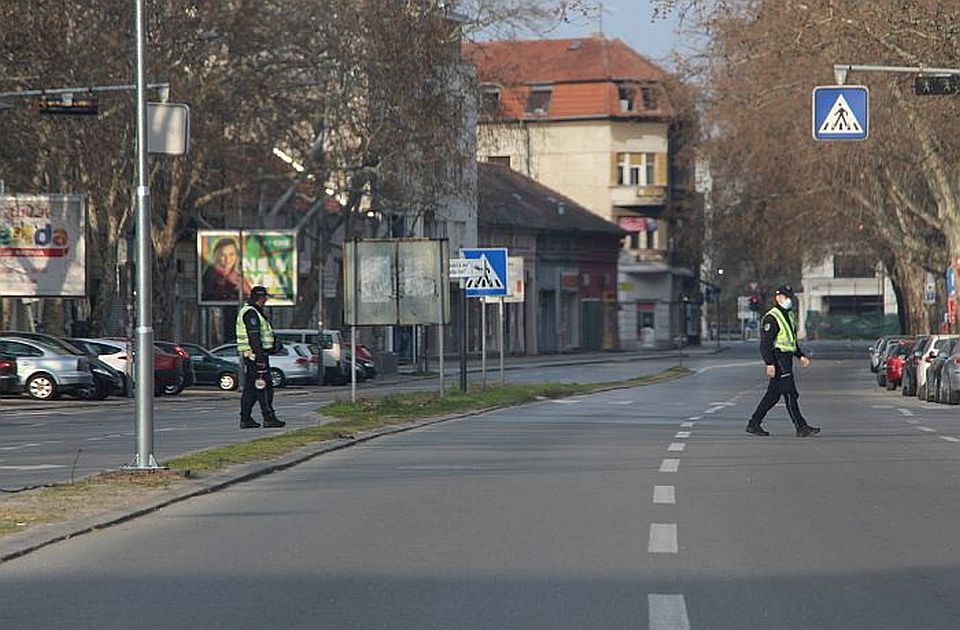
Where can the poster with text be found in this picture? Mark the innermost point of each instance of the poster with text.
(42, 246)
(270, 260)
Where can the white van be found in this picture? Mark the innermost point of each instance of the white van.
(334, 369)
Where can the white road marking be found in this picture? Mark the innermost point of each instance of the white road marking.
(949, 439)
(682, 435)
(620, 402)
(676, 447)
(722, 404)
(33, 467)
(670, 465)
(927, 429)
(665, 494)
(913, 421)
(905, 412)
(563, 401)
(663, 538)
(712, 410)
(881, 406)
(695, 418)
(687, 425)
(19, 447)
(668, 612)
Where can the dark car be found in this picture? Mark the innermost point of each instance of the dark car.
(188, 376)
(210, 369)
(9, 379)
(895, 363)
(935, 372)
(106, 380)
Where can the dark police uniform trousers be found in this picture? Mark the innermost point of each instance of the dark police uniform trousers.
(782, 384)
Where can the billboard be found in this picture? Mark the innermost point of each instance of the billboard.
(42, 246)
(233, 261)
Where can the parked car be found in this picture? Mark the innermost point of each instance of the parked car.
(875, 351)
(188, 376)
(908, 384)
(115, 352)
(106, 380)
(44, 371)
(895, 362)
(889, 347)
(935, 371)
(878, 354)
(334, 365)
(9, 380)
(293, 363)
(932, 348)
(212, 370)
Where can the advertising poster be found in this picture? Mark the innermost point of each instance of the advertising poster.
(42, 246)
(270, 260)
(234, 261)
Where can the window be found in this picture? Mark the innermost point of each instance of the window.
(636, 169)
(649, 96)
(642, 232)
(628, 98)
(849, 266)
(538, 103)
(502, 160)
(490, 101)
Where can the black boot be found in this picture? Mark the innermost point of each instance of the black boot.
(249, 423)
(271, 422)
(806, 430)
(756, 429)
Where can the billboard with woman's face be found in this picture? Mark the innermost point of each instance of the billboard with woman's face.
(233, 261)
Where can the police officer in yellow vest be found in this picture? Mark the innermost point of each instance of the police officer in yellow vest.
(255, 341)
(778, 346)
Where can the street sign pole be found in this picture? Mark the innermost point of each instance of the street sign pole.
(443, 318)
(144, 458)
(503, 378)
(483, 343)
(463, 335)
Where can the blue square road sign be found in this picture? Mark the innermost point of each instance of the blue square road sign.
(841, 112)
(490, 272)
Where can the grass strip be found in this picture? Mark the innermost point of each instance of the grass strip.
(118, 489)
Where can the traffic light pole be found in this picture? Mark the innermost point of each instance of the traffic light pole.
(840, 70)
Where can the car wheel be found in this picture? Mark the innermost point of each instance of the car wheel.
(227, 381)
(93, 392)
(176, 388)
(277, 377)
(41, 387)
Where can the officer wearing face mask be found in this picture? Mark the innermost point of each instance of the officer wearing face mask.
(778, 346)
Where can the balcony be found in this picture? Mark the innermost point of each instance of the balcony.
(639, 196)
(652, 195)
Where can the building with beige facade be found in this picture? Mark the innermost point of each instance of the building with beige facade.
(591, 118)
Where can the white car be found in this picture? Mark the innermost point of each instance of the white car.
(293, 363)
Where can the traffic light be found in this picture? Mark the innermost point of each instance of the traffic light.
(754, 302)
(67, 104)
(937, 85)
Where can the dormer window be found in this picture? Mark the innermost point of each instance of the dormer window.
(628, 98)
(649, 97)
(538, 103)
(490, 100)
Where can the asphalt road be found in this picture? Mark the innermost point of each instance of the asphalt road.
(640, 508)
(68, 439)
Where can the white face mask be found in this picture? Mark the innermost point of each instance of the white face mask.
(787, 304)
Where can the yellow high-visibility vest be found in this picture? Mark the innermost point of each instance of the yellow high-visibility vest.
(787, 336)
(243, 340)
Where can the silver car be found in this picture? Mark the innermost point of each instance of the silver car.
(293, 363)
(46, 372)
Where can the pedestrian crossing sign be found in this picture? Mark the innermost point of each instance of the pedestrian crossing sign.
(489, 277)
(841, 112)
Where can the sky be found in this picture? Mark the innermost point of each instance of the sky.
(632, 21)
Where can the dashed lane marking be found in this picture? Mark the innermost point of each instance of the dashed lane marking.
(713, 409)
(682, 435)
(667, 612)
(669, 465)
(927, 429)
(676, 447)
(33, 467)
(687, 425)
(666, 495)
(663, 538)
(905, 412)
(620, 402)
(913, 421)
(695, 418)
(949, 438)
